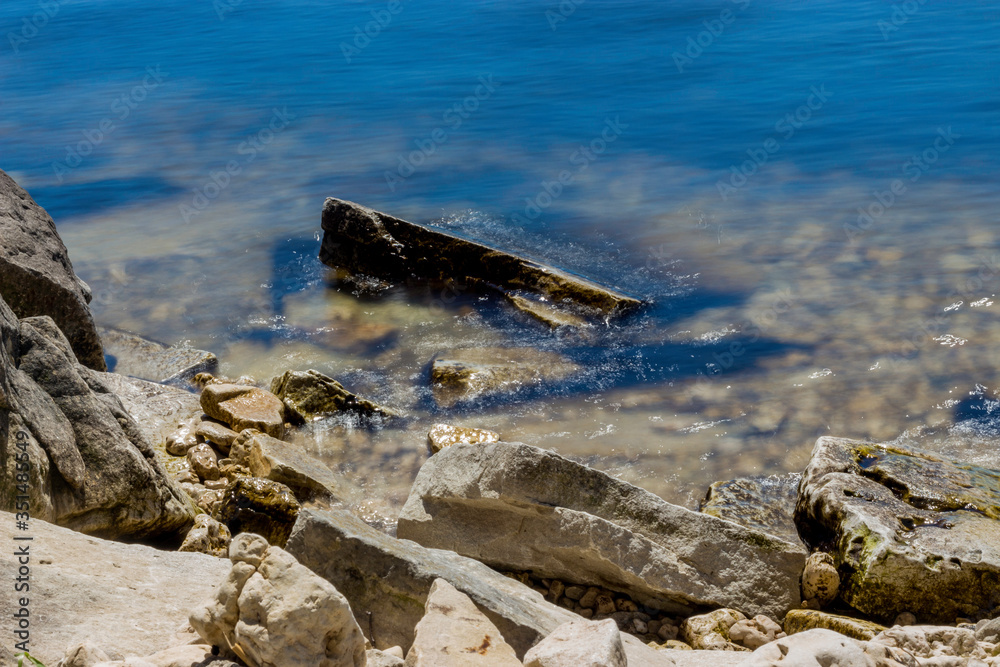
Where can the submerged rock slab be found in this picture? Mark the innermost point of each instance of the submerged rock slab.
(521, 508)
(391, 578)
(464, 375)
(36, 276)
(910, 531)
(766, 504)
(367, 242)
(130, 599)
(140, 357)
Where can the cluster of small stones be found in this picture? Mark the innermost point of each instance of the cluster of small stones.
(650, 625)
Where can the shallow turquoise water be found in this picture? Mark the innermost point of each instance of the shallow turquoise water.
(810, 183)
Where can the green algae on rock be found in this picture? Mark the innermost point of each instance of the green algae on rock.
(800, 620)
(910, 531)
(366, 242)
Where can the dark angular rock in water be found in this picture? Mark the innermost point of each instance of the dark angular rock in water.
(91, 467)
(310, 394)
(467, 374)
(261, 506)
(367, 242)
(910, 531)
(36, 276)
(146, 359)
(766, 504)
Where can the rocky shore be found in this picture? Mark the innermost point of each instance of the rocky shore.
(174, 522)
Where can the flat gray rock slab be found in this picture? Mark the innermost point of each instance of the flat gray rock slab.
(766, 504)
(387, 582)
(36, 276)
(129, 599)
(131, 354)
(518, 507)
(910, 531)
(366, 242)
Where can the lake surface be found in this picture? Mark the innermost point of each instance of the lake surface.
(805, 193)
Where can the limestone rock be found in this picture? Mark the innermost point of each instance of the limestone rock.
(468, 374)
(36, 276)
(755, 632)
(520, 508)
(814, 648)
(377, 658)
(914, 532)
(278, 612)
(928, 641)
(310, 394)
(766, 504)
(256, 505)
(243, 407)
(128, 598)
(391, 579)
(801, 620)
(579, 644)
(284, 462)
(161, 411)
(208, 536)
(204, 461)
(189, 655)
(988, 630)
(710, 632)
(820, 579)
(217, 434)
(85, 654)
(133, 355)
(454, 633)
(92, 468)
(366, 242)
(445, 435)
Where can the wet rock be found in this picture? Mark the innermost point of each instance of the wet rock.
(180, 442)
(271, 610)
(204, 461)
(217, 434)
(36, 276)
(310, 394)
(578, 524)
(244, 407)
(208, 536)
(820, 579)
(92, 469)
(545, 312)
(133, 355)
(284, 462)
(255, 505)
(445, 435)
(165, 414)
(766, 504)
(710, 632)
(465, 375)
(800, 620)
(579, 644)
(128, 599)
(367, 242)
(755, 632)
(454, 633)
(391, 579)
(913, 532)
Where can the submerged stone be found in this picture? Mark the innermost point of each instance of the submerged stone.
(761, 503)
(367, 242)
(310, 394)
(910, 531)
(464, 375)
(140, 357)
(800, 620)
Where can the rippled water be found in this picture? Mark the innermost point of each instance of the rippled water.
(804, 192)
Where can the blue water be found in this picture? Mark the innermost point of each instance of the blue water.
(603, 136)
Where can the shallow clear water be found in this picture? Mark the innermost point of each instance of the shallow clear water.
(719, 178)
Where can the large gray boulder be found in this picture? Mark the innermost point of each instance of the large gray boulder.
(129, 599)
(387, 582)
(89, 466)
(518, 507)
(36, 276)
(366, 242)
(910, 531)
